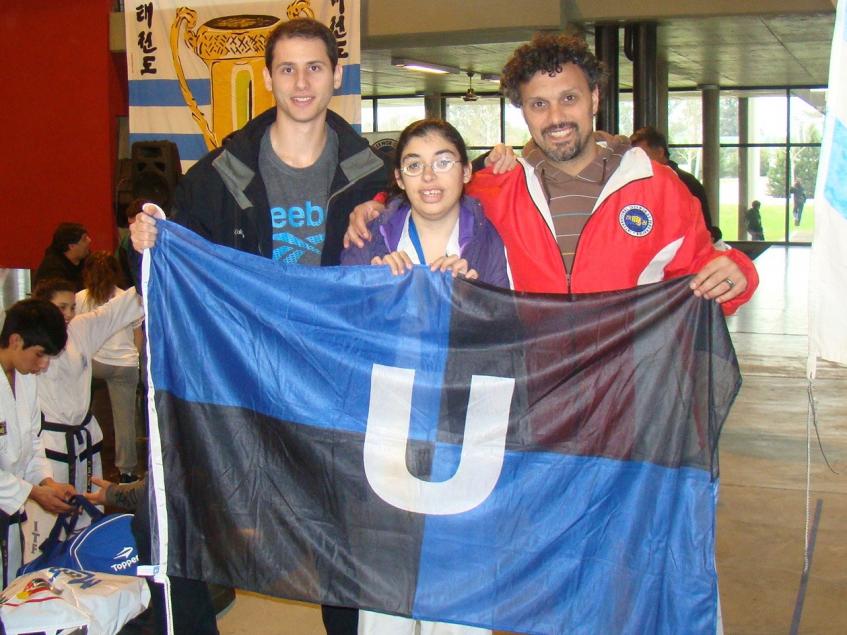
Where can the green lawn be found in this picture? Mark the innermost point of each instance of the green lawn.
(773, 222)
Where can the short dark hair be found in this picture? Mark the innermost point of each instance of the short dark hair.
(307, 28)
(652, 137)
(48, 287)
(38, 322)
(757, 203)
(548, 53)
(422, 128)
(67, 234)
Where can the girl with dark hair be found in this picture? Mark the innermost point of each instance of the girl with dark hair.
(117, 360)
(430, 221)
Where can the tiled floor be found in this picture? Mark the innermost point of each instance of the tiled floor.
(762, 512)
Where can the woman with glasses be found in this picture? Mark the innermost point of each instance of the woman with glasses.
(430, 220)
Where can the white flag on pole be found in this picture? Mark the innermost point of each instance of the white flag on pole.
(828, 270)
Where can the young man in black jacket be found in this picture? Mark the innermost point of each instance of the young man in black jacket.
(282, 187)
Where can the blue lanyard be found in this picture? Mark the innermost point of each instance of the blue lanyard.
(416, 240)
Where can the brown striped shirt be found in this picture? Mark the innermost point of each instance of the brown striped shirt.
(572, 198)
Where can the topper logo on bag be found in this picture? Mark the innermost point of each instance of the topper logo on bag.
(128, 557)
(106, 545)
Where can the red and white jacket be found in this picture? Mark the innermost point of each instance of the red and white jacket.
(645, 227)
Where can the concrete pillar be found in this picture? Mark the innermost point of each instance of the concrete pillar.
(711, 149)
(606, 49)
(432, 106)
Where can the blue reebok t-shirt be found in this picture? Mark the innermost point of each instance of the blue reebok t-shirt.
(298, 199)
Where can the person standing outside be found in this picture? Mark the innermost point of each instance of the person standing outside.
(798, 195)
(753, 218)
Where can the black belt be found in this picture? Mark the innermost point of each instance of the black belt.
(6, 521)
(73, 435)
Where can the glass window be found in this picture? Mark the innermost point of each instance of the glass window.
(746, 175)
(807, 115)
(397, 113)
(728, 195)
(689, 159)
(771, 182)
(367, 115)
(685, 118)
(801, 192)
(728, 118)
(626, 114)
(477, 121)
(772, 213)
(478, 152)
(517, 134)
(767, 116)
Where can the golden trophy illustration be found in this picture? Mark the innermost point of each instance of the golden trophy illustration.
(233, 48)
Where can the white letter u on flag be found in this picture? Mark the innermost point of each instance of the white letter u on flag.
(482, 451)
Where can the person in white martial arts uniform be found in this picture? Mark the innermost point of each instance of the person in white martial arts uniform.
(33, 333)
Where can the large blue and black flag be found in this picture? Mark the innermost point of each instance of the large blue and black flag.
(435, 448)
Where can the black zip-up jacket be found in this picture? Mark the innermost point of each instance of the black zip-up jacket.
(223, 197)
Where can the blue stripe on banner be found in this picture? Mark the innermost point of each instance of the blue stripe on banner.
(351, 81)
(590, 563)
(192, 147)
(422, 327)
(835, 188)
(167, 92)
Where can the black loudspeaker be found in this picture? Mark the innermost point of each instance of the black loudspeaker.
(122, 190)
(155, 171)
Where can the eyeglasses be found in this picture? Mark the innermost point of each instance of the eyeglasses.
(416, 167)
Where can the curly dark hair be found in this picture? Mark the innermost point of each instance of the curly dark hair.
(101, 275)
(548, 53)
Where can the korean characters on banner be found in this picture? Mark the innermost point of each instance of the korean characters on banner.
(195, 73)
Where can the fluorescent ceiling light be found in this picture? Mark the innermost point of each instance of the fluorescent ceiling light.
(424, 67)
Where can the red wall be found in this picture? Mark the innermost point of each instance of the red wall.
(60, 92)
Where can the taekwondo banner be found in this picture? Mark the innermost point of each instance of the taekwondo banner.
(828, 269)
(195, 69)
(436, 448)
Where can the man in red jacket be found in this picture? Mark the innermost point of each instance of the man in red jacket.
(582, 216)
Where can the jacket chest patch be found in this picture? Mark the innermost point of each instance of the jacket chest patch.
(636, 220)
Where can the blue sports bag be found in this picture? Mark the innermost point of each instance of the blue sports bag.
(106, 545)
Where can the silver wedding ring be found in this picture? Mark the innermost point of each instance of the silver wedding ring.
(730, 283)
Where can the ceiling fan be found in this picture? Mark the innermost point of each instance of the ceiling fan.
(470, 94)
